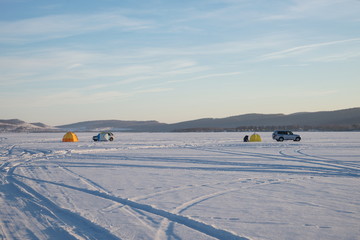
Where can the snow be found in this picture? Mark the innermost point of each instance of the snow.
(16, 125)
(179, 186)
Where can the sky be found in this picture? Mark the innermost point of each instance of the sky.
(69, 61)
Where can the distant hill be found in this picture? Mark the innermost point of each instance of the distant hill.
(347, 119)
(339, 120)
(113, 125)
(16, 125)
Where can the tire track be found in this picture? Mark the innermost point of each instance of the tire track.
(325, 159)
(75, 224)
(348, 170)
(64, 224)
(165, 224)
(180, 188)
(326, 167)
(183, 220)
(99, 188)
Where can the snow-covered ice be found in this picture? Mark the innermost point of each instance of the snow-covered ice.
(175, 186)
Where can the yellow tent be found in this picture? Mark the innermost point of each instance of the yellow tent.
(255, 138)
(70, 137)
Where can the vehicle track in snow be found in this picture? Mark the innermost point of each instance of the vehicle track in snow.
(183, 220)
(331, 167)
(206, 165)
(329, 160)
(68, 218)
(308, 165)
(60, 223)
(14, 156)
(98, 191)
(97, 187)
(342, 168)
(184, 187)
(165, 224)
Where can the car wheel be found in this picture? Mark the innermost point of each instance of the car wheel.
(281, 139)
(297, 139)
(111, 138)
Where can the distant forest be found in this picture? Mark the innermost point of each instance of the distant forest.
(352, 127)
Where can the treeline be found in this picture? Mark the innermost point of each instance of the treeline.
(352, 127)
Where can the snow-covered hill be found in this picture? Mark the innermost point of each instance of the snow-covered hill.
(340, 120)
(16, 125)
(114, 125)
(344, 120)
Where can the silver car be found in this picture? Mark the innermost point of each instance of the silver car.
(285, 135)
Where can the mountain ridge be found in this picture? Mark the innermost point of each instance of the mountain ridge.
(342, 119)
(337, 120)
(17, 125)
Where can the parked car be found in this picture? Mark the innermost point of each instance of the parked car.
(285, 135)
(104, 136)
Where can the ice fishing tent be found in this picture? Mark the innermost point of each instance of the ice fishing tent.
(70, 137)
(104, 136)
(255, 138)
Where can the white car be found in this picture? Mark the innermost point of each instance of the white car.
(104, 136)
(285, 135)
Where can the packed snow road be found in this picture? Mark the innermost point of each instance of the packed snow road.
(179, 186)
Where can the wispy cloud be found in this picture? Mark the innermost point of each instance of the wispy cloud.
(88, 67)
(207, 76)
(60, 26)
(302, 49)
(311, 5)
(319, 9)
(337, 57)
(79, 97)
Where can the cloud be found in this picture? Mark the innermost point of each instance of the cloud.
(319, 9)
(303, 6)
(302, 49)
(61, 26)
(75, 65)
(76, 97)
(207, 76)
(343, 56)
(115, 67)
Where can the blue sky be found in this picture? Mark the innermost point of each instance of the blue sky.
(68, 61)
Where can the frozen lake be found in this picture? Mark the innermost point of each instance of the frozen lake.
(176, 186)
